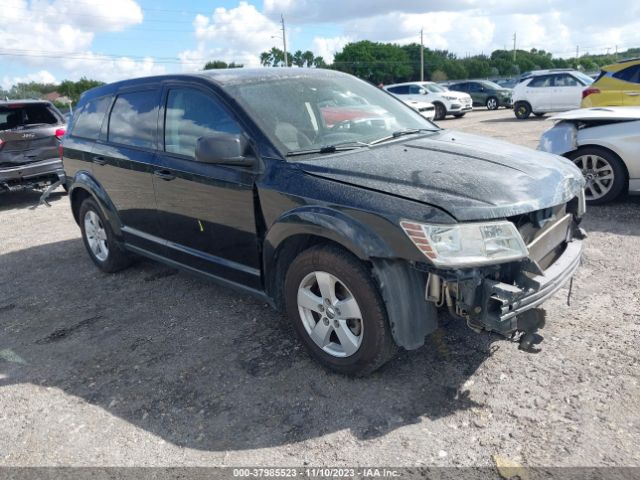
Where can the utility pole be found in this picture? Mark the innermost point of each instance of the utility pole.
(616, 52)
(421, 56)
(577, 52)
(514, 46)
(284, 41)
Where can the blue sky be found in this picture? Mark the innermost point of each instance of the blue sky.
(50, 40)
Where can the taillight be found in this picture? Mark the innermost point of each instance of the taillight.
(60, 133)
(588, 91)
(1, 143)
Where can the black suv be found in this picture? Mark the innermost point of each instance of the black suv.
(30, 135)
(364, 231)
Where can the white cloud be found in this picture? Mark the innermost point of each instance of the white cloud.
(233, 35)
(327, 47)
(43, 76)
(59, 34)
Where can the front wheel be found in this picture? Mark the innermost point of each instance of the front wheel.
(603, 172)
(522, 110)
(337, 311)
(492, 103)
(440, 111)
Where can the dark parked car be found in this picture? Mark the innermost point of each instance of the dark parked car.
(30, 134)
(484, 93)
(364, 233)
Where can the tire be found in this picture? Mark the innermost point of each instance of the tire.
(459, 115)
(370, 344)
(598, 165)
(539, 114)
(492, 103)
(441, 111)
(108, 255)
(522, 110)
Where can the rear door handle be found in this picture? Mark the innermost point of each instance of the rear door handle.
(164, 174)
(98, 160)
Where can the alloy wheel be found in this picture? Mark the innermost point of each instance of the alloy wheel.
(598, 174)
(330, 314)
(96, 235)
(492, 104)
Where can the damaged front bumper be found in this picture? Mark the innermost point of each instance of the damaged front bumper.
(502, 303)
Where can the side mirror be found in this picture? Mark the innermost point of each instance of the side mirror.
(224, 149)
(422, 91)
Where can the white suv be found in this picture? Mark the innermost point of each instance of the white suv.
(546, 91)
(444, 101)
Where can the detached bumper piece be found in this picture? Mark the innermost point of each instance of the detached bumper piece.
(503, 303)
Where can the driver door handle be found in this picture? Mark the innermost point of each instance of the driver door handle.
(164, 175)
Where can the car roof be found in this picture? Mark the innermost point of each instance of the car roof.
(621, 65)
(417, 82)
(536, 73)
(221, 77)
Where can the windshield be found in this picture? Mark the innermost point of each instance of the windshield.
(586, 79)
(434, 87)
(490, 84)
(307, 113)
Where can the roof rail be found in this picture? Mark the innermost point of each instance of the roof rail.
(625, 60)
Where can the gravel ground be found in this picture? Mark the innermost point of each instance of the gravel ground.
(153, 367)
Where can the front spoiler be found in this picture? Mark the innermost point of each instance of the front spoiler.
(504, 302)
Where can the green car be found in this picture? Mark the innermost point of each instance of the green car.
(485, 93)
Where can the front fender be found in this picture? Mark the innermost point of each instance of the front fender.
(327, 223)
(83, 181)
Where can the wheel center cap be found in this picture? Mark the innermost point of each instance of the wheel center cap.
(331, 312)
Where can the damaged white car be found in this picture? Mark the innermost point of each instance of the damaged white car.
(604, 143)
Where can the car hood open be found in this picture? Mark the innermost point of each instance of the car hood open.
(468, 176)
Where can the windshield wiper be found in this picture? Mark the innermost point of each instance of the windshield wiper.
(400, 133)
(339, 147)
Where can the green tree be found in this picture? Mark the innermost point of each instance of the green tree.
(219, 64)
(375, 62)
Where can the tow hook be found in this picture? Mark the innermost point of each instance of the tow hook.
(47, 192)
(528, 323)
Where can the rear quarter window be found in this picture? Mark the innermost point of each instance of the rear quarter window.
(88, 121)
(629, 74)
(134, 119)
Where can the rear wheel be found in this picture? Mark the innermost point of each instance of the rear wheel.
(522, 110)
(441, 111)
(492, 103)
(603, 171)
(337, 311)
(99, 240)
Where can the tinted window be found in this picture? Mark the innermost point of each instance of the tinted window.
(565, 80)
(89, 121)
(459, 87)
(414, 89)
(401, 90)
(629, 74)
(134, 118)
(190, 115)
(540, 82)
(476, 87)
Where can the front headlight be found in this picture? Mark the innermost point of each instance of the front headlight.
(467, 244)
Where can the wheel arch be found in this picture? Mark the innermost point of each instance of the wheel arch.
(84, 186)
(410, 317)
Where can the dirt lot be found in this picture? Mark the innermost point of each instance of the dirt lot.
(155, 367)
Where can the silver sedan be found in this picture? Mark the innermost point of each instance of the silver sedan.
(604, 143)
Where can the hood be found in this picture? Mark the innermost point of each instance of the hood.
(600, 114)
(459, 95)
(468, 176)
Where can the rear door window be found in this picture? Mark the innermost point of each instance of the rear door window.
(134, 119)
(190, 115)
(401, 90)
(540, 82)
(629, 74)
(89, 120)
